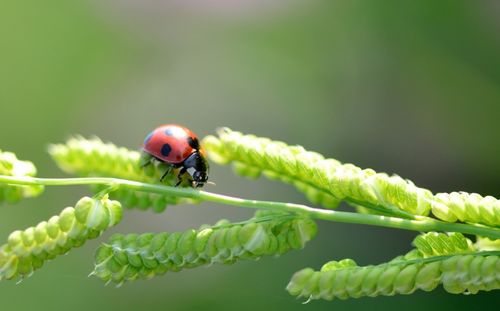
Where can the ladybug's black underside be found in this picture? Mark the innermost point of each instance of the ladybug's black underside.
(195, 165)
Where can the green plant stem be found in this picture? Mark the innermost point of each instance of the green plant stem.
(441, 257)
(421, 223)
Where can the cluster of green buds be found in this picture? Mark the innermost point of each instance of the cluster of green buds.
(27, 250)
(133, 256)
(11, 166)
(93, 157)
(252, 156)
(447, 259)
(324, 181)
(467, 207)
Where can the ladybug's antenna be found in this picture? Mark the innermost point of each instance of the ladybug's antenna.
(211, 183)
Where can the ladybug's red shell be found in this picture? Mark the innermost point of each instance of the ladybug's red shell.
(171, 143)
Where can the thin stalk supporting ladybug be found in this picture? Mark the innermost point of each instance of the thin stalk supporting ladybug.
(422, 224)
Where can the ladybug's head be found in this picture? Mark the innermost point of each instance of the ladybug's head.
(199, 179)
(197, 167)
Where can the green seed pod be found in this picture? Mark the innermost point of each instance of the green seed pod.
(11, 166)
(185, 246)
(311, 287)
(466, 207)
(405, 280)
(339, 288)
(201, 244)
(354, 283)
(324, 181)
(486, 244)
(385, 285)
(335, 265)
(296, 286)
(223, 243)
(435, 244)
(428, 276)
(253, 237)
(92, 157)
(26, 250)
(369, 286)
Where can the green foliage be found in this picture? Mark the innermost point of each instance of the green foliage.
(467, 207)
(11, 166)
(324, 181)
(450, 260)
(27, 250)
(134, 256)
(92, 157)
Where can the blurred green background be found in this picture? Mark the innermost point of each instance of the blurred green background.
(406, 87)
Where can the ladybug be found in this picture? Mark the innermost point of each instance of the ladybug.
(178, 147)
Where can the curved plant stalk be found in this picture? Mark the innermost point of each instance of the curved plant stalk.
(27, 250)
(11, 166)
(92, 157)
(450, 260)
(325, 181)
(423, 224)
(133, 256)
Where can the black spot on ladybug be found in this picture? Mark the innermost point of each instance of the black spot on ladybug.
(193, 143)
(169, 132)
(148, 138)
(165, 150)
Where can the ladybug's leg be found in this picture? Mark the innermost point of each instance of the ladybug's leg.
(170, 167)
(179, 176)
